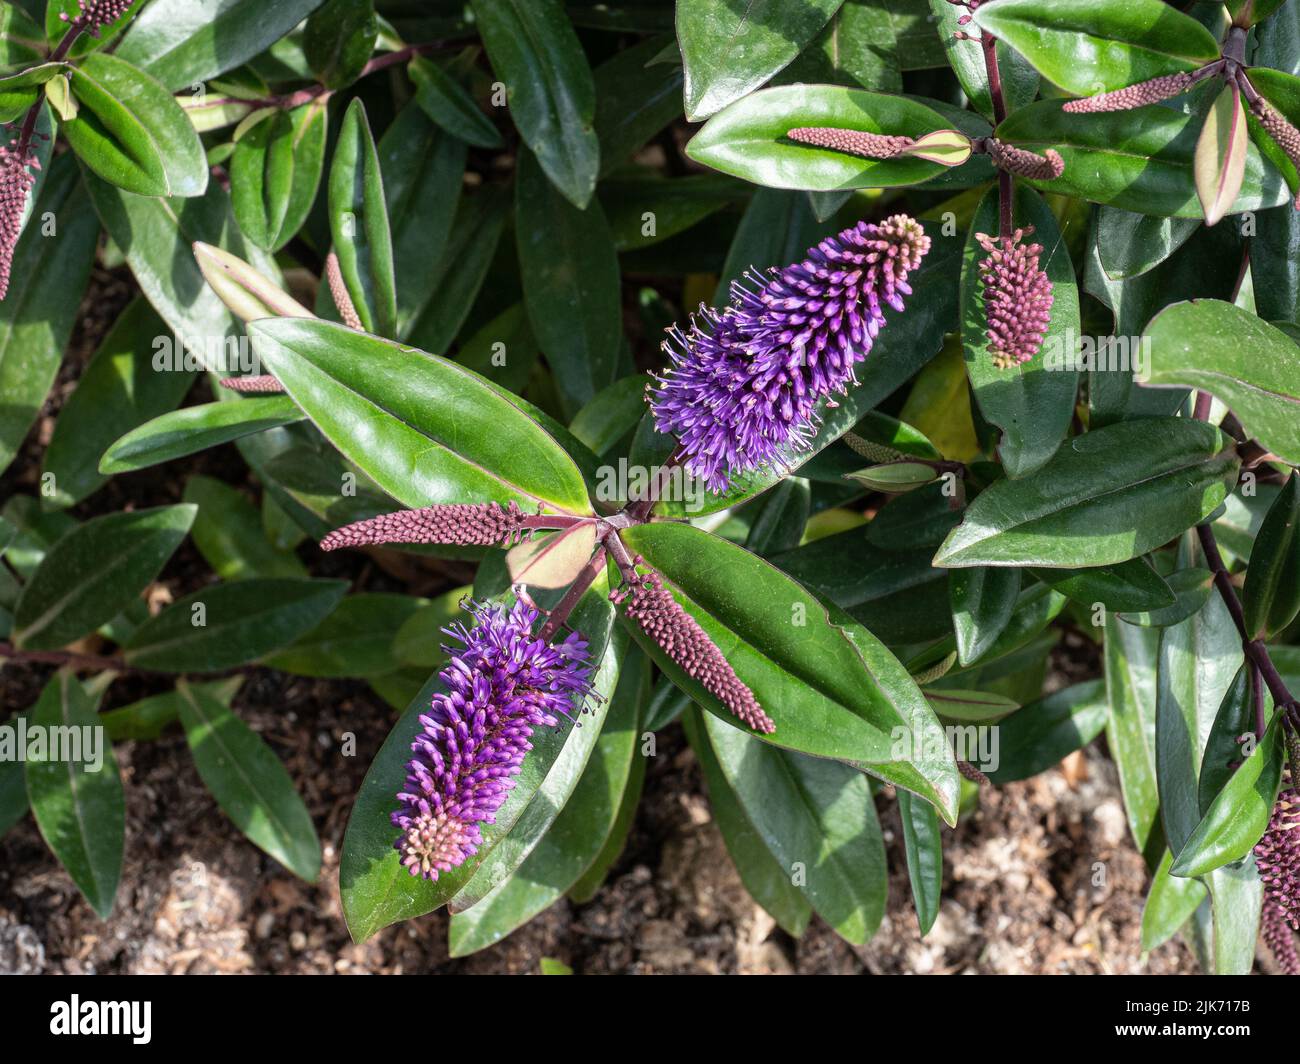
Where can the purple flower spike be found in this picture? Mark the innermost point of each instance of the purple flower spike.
(262, 384)
(503, 683)
(1017, 297)
(743, 384)
(852, 141)
(1278, 856)
(662, 618)
(1279, 938)
(1046, 167)
(463, 524)
(1286, 136)
(16, 181)
(1139, 95)
(96, 13)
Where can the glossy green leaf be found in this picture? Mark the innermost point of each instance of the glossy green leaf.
(1129, 587)
(181, 42)
(1234, 723)
(831, 688)
(150, 717)
(611, 414)
(275, 172)
(1130, 657)
(766, 879)
(1191, 588)
(728, 51)
(226, 625)
(131, 132)
(1141, 160)
(818, 819)
(1250, 365)
(47, 279)
(551, 92)
(1089, 46)
(77, 800)
(359, 224)
(450, 106)
(983, 600)
(1019, 78)
(1032, 403)
(338, 40)
(376, 889)
(1275, 264)
(426, 430)
(1272, 591)
(570, 278)
(748, 139)
(1170, 904)
(1082, 507)
(1131, 244)
(18, 92)
(94, 572)
(1239, 815)
(117, 392)
(249, 782)
(357, 639)
(1237, 894)
(228, 532)
(924, 848)
(196, 428)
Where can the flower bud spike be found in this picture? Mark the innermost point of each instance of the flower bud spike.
(680, 636)
(1284, 134)
(851, 141)
(461, 524)
(973, 774)
(339, 293)
(262, 384)
(1046, 167)
(1140, 95)
(1277, 856)
(16, 182)
(1279, 937)
(1017, 297)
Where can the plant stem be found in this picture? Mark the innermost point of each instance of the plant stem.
(8, 652)
(571, 597)
(1006, 189)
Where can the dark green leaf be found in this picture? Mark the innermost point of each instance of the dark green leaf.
(275, 172)
(220, 627)
(228, 533)
(1130, 656)
(1272, 591)
(571, 285)
(359, 224)
(357, 639)
(132, 133)
(1019, 78)
(76, 795)
(338, 40)
(1132, 244)
(1040, 735)
(1083, 507)
(1129, 587)
(94, 572)
(449, 105)
(249, 782)
(924, 856)
(1169, 905)
(635, 99)
(1191, 587)
(1233, 723)
(983, 600)
(552, 94)
(426, 430)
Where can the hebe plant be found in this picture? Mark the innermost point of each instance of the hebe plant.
(981, 334)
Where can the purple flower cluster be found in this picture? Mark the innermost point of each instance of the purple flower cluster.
(1278, 856)
(742, 386)
(503, 683)
(96, 13)
(484, 524)
(16, 180)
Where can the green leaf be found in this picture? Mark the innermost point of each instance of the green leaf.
(748, 139)
(118, 391)
(1251, 366)
(571, 286)
(1272, 591)
(1239, 815)
(196, 428)
(131, 131)
(249, 782)
(983, 600)
(1170, 904)
(1141, 160)
(611, 414)
(551, 92)
(1019, 78)
(1089, 46)
(338, 40)
(635, 99)
(1233, 723)
(1031, 403)
(13, 787)
(1191, 587)
(1104, 497)
(767, 880)
(220, 627)
(1275, 264)
(183, 42)
(94, 572)
(1132, 244)
(47, 279)
(275, 173)
(228, 533)
(423, 170)
(819, 821)
(831, 688)
(359, 224)
(728, 51)
(376, 889)
(77, 800)
(924, 849)
(450, 106)
(1237, 896)
(1130, 656)
(1129, 587)
(18, 92)
(357, 639)
(574, 835)
(426, 430)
